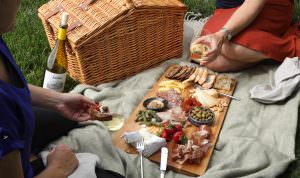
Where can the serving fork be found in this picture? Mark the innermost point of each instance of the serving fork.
(140, 146)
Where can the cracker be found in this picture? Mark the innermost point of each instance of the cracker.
(174, 70)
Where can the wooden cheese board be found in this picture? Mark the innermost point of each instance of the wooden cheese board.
(190, 169)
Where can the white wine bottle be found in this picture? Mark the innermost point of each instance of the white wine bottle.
(56, 70)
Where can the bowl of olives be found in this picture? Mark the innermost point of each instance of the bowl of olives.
(200, 115)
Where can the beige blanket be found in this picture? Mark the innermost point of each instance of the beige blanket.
(256, 140)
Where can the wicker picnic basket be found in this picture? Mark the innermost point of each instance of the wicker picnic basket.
(114, 39)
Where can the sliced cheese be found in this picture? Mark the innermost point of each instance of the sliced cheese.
(205, 99)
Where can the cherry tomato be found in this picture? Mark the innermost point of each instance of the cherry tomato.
(195, 56)
(165, 135)
(178, 127)
(177, 136)
(97, 107)
(170, 129)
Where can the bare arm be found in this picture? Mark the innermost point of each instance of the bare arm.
(244, 15)
(73, 106)
(10, 166)
(61, 162)
(43, 97)
(240, 19)
(50, 172)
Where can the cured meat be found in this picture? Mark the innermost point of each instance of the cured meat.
(196, 138)
(178, 114)
(188, 147)
(177, 152)
(173, 98)
(189, 152)
(173, 114)
(205, 145)
(186, 157)
(205, 128)
(197, 155)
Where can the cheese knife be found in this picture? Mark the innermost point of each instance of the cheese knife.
(163, 161)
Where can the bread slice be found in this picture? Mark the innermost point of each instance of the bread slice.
(209, 81)
(223, 82)
(193, 76)
(199, 74)
(101, 113)
(203, 77)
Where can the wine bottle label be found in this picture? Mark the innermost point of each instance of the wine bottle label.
(54, 81)
(62, 34)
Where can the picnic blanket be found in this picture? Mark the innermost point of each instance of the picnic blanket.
(256, 140)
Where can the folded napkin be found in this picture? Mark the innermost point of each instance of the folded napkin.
(286, 80)
(152, 142)
(87, 164)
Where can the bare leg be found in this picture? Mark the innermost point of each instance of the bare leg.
(241, 53)
(223, 64)
(234, 58)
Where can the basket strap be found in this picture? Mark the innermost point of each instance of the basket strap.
(60, 8)
(85, 4)
(57, 9)
(74, 25)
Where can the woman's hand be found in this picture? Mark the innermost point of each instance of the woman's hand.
(214, 43)
(75, 106)
(62, 160)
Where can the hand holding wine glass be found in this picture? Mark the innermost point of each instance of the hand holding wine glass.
(214, 42)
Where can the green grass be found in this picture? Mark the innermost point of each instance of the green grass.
(29, 45)
(30, 48)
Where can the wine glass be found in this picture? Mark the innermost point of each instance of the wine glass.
(199, 49)
(116, 123)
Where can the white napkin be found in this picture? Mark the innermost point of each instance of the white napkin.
(87, 164)
(286, 80)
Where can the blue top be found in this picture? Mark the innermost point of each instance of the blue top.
(16, 115)
(226, 4)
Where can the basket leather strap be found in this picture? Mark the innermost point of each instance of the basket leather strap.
(74, 25)
(57, 9)
(85, 4)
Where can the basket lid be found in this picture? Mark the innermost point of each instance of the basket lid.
(90, 19)
(158, 3)
(90, 16)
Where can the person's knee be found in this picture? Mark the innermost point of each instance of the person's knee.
(230, 51)
(218, 65)
(223, 64)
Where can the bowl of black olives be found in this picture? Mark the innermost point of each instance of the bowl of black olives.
(200, 115)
